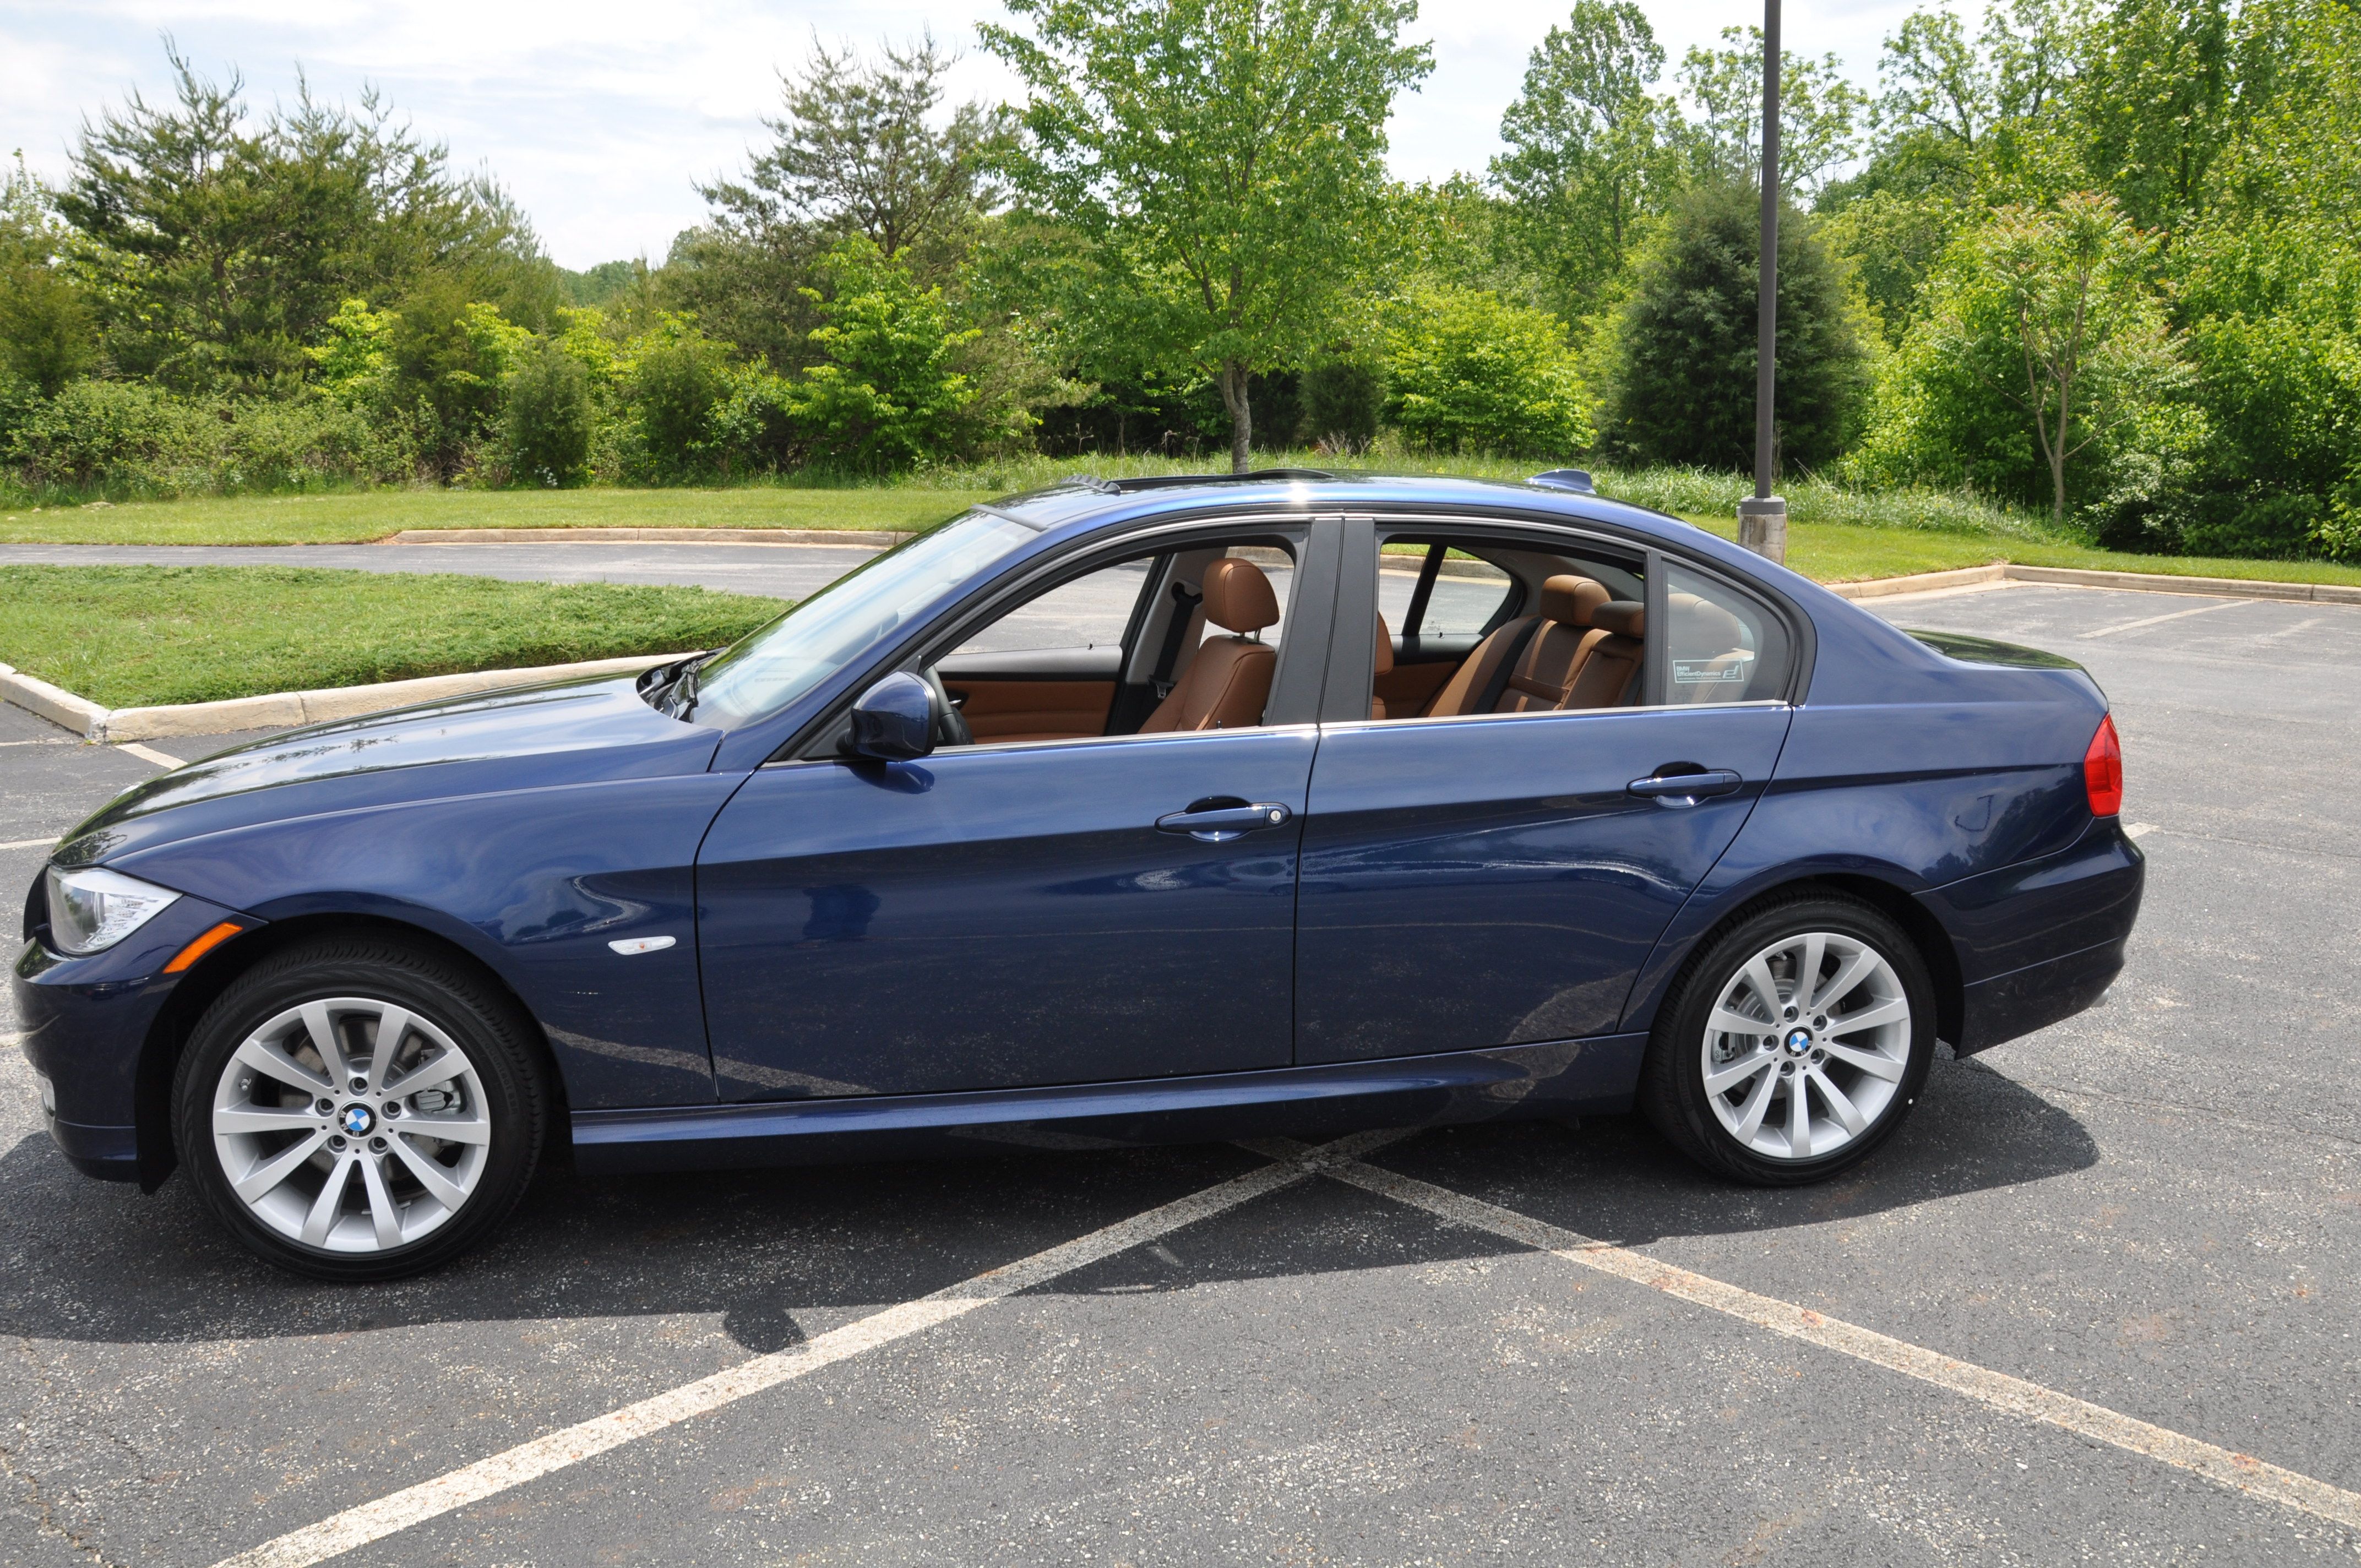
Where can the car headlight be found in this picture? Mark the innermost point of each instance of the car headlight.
(91, 909)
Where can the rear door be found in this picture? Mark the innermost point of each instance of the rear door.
(1497, 879)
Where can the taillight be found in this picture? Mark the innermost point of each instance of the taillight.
(2102, 770)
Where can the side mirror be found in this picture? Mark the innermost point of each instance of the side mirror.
(894, 720)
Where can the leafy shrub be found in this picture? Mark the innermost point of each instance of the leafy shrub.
(546, 427)
(890, 393)
(674, 378)
(447, 355)
(1467, 371)
(1683, 353)
(129, 439)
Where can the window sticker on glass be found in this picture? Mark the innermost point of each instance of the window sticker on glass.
(1734, 668)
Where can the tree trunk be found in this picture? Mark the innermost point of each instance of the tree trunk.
(1233, 382)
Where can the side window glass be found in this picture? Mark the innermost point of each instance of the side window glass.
(1719, 644)
(1467, 592)
(1088, 612)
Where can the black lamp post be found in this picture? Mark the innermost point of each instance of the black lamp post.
(1763, 518)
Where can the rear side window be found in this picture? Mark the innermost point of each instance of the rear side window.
(1720, 645)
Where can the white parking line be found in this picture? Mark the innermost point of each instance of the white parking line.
(2013, 1394)
(2158, 619)
(28, 843)
(149, 755)
(373, 1521)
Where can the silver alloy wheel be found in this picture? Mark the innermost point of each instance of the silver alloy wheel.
(352, 1124)
(1807, 1045)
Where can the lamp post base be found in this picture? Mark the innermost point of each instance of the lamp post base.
(1762, 527)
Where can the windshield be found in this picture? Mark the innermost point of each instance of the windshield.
(765, 671)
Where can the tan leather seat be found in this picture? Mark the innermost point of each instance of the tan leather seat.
(1229, 681)
(1546, 670)
(1607, 673)
(1385, 664)
(1582, 650)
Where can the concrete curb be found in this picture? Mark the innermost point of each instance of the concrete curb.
(276, 709)
(2138, 582)
(1919, 583)
(868, 536)
(53, 703)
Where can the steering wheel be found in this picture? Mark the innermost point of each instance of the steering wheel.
(950, 725)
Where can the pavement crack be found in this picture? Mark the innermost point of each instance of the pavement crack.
(42, 1507)
(2146, 1103)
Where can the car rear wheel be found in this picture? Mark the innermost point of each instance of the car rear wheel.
(358, 1111)
(1793, 1045)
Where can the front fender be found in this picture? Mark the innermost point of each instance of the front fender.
(535, 883)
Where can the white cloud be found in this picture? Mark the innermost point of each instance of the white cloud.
(601, 115)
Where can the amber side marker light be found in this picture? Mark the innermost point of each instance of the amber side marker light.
(2103, 771)
(202, 944)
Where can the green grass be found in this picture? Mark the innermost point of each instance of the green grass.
(128, 636)
(1835, 534)
(357, 516)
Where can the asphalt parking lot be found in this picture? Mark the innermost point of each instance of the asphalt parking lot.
(1538, 1344)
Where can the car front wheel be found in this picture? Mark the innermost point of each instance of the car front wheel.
(1793, 1044)
(359, 1110)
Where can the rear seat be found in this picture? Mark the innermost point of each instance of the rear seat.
(1583, 651)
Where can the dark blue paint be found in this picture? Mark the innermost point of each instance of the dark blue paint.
(999, 916)
(1556, 1078)
(85, 1021)
(895, 719)
(997, 944)
(1490, 881)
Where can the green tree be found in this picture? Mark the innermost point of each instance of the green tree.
(861, 150)
(1220, 163)
(1467, 371)
(547, 424)
(1819, 113)
(1683, 350)
(1587, 147)
(2044, 349)
(446, 357)
(219, 248)
(2156, 97)
(46, 327)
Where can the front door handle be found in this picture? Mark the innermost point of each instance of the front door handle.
(1685, 788)
(1218, 823)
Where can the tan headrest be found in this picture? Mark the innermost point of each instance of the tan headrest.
(1700, 628)
(1570, 600)
(1621, 618)
(1238, 596)
(1385, 647)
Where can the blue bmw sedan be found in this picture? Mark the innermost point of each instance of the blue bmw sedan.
(1119, 812)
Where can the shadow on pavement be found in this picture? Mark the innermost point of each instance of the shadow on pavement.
(89, 1261)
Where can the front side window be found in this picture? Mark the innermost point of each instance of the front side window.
(1720, 645)
(765, 672)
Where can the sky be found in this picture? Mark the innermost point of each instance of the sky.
(601, 116)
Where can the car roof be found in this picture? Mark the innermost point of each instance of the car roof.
(1083, 503)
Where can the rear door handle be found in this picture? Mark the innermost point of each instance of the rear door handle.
(1686, 789)
(1220, 824)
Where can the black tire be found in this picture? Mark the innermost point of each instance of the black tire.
(497, 1040)
(1671, 1081)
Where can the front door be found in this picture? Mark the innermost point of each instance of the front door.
(1001, 915)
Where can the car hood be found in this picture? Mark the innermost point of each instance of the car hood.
(563, 732)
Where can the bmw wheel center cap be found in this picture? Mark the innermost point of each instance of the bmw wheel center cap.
(1799, 1041)
(357, 1120)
